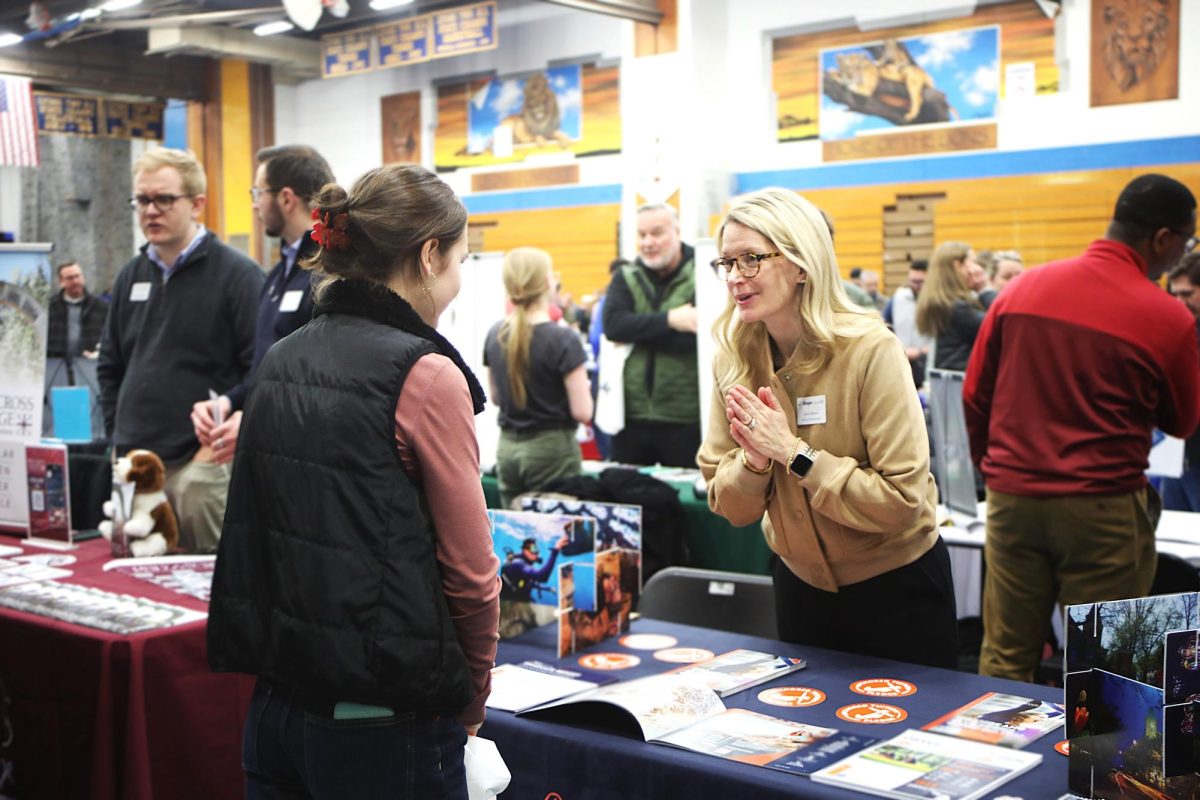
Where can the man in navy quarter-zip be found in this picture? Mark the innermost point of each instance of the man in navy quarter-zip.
(288, 178)
(181, 323)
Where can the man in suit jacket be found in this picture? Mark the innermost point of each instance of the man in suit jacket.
(288, 179)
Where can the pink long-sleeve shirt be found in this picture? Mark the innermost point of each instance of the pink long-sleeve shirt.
(435, 434)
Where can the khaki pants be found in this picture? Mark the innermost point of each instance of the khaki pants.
(198, 491)
(1066, 550)
(526, 462)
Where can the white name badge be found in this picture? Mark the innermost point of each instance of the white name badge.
(139, 292)
(291, 300)
(810, 410)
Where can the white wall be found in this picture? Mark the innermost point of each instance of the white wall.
(340, 117)
(10, 200)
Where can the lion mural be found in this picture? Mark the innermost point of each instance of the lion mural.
(1135, 39)
(538, 121)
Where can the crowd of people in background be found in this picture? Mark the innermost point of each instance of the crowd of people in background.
(817, 426)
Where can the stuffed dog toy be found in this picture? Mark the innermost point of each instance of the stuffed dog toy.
(152, 528)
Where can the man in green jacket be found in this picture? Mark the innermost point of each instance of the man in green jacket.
(651, 305)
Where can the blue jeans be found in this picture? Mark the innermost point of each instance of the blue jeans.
(291, 752)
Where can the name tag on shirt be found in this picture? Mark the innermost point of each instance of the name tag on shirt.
(291, 300)
(139, 292)
(810, 410)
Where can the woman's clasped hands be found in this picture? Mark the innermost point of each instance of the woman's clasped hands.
(759, 425)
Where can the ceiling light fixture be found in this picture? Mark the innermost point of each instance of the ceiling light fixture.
(384, 5)
(119, 5)
(7, 39)
(271, 28)
(89, 13)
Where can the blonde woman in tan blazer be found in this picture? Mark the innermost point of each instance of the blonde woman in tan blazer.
(817, 430)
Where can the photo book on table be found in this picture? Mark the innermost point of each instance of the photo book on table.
(1002, 719)
(752, 738)
(680, 710)
(741, 669)
(920, 764)
(519, 687)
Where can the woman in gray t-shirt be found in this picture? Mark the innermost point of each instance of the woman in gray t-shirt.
(537, 374)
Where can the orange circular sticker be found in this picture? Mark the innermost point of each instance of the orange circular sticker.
(792, 696)
(684, 655)
(871, 713)
(648, 641)
(608, 661)
(883, 687)
(1063, 747)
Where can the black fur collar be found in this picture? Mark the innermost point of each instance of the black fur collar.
(371, 300)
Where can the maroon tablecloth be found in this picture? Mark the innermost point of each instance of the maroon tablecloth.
(99, 715)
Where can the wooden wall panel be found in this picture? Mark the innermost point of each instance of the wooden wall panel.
(1045, 217)
(581, 240)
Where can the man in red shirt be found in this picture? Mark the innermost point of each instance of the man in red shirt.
(1075, 365)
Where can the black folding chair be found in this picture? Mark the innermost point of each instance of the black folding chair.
(725, 601)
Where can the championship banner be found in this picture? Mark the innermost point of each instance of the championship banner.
(87, 115)
(440, 34)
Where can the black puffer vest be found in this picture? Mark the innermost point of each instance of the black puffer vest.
(326, 577)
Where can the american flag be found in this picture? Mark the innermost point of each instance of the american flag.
(18, 127)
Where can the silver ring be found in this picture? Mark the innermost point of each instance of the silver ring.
(220, 443)
(753, 422)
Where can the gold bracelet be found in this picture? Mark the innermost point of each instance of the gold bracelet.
(792, 455)
(746, 463)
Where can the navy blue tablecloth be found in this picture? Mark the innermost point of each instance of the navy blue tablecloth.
(579, 763)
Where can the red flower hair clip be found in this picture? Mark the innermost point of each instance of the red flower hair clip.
(329, 230)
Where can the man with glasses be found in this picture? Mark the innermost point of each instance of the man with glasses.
(1061, 395)
(651, 305)
(288, 178)
(181, 324)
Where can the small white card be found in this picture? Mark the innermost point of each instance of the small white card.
(1020, 81)
(291, 300)
(139, 292)
(810, 410)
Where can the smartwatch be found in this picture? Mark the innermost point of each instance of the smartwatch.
(803, 460)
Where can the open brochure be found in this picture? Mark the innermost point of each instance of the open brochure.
(650, 706)
(752, 738)
(1003, 719)
(518, 687)
(680, 710)
(920, 764)
(741, 669)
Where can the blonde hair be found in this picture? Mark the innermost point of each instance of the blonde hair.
(182, 161)
(526, 274)
(798, 230)
(943, 287)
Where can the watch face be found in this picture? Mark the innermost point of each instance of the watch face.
(801, 464)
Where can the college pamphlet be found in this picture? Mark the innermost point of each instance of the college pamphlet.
(741, 669)
(1002, 719)
(920, 764)
(518, 687)
(680, 710)
(752, 738)
(654, 706)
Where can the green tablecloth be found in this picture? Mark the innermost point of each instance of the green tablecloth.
(715, 544)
